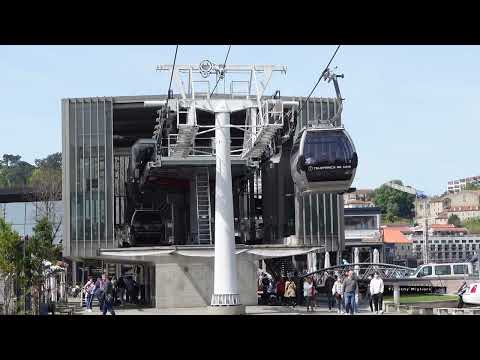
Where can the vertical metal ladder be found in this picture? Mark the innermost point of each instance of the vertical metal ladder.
(202, 184)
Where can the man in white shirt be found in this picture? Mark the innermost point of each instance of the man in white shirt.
(376, 290)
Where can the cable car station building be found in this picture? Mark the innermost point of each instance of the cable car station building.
(143, 185)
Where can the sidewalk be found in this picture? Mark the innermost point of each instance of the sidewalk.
(250, 310)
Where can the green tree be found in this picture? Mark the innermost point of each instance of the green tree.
(10, 160)
(454, 220)
(11, 258)
(394, 203)
(40, 248)
(14, 172)
(473, 225)
(47, 181)
(52, 161)
(471, 186)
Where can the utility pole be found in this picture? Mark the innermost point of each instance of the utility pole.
(425, 242)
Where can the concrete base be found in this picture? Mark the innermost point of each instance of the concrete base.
(187, 281)
(226, 310)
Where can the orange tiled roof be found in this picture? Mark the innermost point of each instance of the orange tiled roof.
(393, 235)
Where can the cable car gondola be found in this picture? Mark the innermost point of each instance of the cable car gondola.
(323, 160)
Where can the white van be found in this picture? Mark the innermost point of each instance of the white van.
(445, 270)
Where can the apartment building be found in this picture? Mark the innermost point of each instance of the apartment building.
(455, 186)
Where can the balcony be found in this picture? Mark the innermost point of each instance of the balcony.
(366, 235)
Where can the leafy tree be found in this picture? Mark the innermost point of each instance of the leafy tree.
(47, 181)
(471, 186)
(454, 220)
(394, 203)
(473, 225)
(14, 172)
(40, 248)
(10, 160)
(52, 161)
(10, 263)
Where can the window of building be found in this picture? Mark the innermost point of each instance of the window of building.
(360, 222)
(443, 241)
(457, 241)
(443, 270)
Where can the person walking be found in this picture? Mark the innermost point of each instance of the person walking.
(298, 285)
(350, 286)
(280, 290)
(115, 288)
(290, 292)
(98, 292)
(265, 282)
(88, 289)
(309, 293)
(121, 290)
(108, 295)
(329, 281)
(376, 289)
(337, 292)
(272, 292)
(369, 294)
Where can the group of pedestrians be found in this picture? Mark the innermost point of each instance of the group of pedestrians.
(103, 289)
(111, 292)
(290, 291)
(342, 291)
(345, 292)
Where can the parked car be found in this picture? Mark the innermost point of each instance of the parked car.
(435, 271)
(469, 294)
(147, 228)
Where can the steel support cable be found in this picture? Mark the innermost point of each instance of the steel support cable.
(159, 137)
(320, 78)
(171, 77)
(220, 77)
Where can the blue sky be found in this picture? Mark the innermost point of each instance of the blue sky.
(412, 111)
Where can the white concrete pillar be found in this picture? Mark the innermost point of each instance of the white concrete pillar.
(326, 263)
(396, 294)
(225, 269)
(74, 272)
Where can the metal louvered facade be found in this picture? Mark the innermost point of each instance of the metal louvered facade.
(87, 127)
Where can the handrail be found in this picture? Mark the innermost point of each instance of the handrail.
(367, 266)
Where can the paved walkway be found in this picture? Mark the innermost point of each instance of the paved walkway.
(250, 310)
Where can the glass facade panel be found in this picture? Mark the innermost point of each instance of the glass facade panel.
(23, 216)
(90, 164)
(108, 113)
(328, 215)
(314, 217)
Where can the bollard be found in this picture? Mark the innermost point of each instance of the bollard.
(396, 294)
